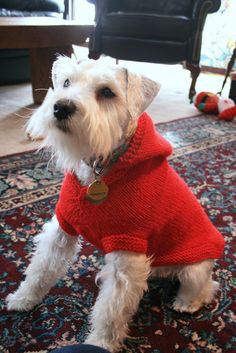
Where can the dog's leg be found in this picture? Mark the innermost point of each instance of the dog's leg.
(54, 250)
(196, 287)
(123, 281)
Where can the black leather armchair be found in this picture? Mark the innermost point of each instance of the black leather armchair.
(157, 31)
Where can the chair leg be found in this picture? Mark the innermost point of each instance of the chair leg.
(195, 71)
(93, 55)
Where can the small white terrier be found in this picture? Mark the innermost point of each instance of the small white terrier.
(116, 165)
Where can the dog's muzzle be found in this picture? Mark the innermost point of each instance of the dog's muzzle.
(63, 109)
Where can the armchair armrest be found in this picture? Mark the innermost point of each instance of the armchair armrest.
(210, 6)
(201, 9)
(205, 7)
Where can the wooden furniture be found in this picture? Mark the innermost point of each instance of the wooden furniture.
(44, 37)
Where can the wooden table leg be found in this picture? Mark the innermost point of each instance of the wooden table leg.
(41, 60)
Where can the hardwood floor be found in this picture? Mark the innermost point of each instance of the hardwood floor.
(170, 104)
(15, 108)
(14, 97)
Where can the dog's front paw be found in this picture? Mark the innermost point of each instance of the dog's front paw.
(18, 302)
(95, 340)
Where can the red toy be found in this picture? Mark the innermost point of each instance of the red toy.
(211, 103)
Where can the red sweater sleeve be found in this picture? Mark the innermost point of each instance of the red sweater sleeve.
(62, 222)
(124, 242)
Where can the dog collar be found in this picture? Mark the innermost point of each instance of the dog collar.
(98, 165)
(97, 191)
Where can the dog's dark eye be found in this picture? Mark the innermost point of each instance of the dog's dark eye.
(66, 83)
(106, 92)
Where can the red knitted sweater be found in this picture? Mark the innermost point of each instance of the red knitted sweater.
(149, 208)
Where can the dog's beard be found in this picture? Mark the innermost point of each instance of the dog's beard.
(93, 134)
(63, 126)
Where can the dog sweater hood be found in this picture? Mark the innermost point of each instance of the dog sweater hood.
(149, 208)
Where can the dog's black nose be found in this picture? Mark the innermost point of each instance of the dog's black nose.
(63, 109)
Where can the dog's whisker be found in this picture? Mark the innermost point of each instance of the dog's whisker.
(22, 116)
(41, 89)
(51, 161)
(30, 109)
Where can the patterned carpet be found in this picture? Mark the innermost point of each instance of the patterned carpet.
(205, 157)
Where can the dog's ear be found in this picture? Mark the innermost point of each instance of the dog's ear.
(62, 69)
(140, 92)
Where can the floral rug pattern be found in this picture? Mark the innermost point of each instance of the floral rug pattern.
(29, 186)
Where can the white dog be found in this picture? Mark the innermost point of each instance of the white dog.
(121, 194)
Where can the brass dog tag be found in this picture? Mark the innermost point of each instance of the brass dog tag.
(97, 192)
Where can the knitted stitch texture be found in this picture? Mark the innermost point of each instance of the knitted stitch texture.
(149, 208)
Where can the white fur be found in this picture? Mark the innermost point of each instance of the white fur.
(225, 103)
(123, 281)
(196, 285)
(96, 128)
(54, 253)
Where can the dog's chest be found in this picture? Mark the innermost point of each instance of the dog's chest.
(85, 174)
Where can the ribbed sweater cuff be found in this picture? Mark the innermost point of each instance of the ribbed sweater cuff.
(63, 224)
(124, 242)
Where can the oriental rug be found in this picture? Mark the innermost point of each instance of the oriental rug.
(29, 186)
